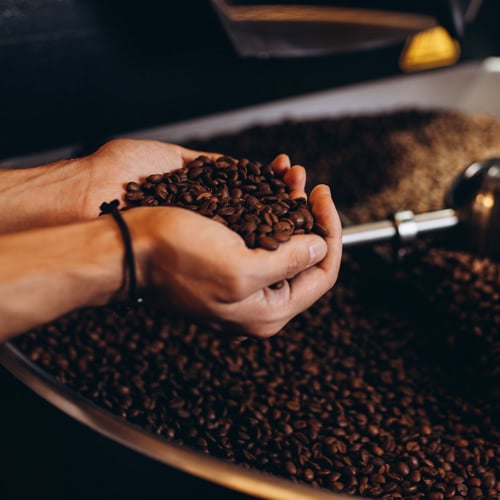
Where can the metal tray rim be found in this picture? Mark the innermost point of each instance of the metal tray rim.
(251, 482)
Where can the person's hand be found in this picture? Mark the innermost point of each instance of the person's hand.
(199, 267)
(122, 160)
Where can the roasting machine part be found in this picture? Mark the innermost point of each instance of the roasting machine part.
(473, 202)
(232, 476)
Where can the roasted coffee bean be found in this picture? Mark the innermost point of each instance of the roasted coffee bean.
(267, 242)
(133, 186)
(281, 237)
(435, 495)
(248, 227)
(220, 190)
(309, 475)
(161, 192)
(319, 229)
(250, 239)
(195, 172)
(154, 178)
(415, 476)
(149, 201)
(265, 229)
(308, 218)
(403, 468)
(134, 196)
(290, 468)
(284, 226)
(298, 219)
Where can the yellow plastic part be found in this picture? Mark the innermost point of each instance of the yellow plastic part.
(429, 49)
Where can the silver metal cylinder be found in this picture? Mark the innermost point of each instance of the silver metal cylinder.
(404, 226)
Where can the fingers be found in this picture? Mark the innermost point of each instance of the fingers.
(295, 177)
(307, 287)
(281, 164)
(311, 261)
(189, 155)
(316, 276)
(299, 253)
(325, 213)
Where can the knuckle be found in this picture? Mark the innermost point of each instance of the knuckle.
(118, 144)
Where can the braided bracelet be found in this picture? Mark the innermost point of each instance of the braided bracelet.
(129, 275)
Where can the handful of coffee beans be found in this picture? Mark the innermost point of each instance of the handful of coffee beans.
(246, 196)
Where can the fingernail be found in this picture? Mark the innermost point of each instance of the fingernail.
(317, 250)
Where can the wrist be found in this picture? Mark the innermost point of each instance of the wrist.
(155, 244)
(143, 243)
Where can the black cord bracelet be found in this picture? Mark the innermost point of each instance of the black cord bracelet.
(129, 275)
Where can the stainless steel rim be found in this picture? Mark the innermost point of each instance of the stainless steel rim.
(215, 470)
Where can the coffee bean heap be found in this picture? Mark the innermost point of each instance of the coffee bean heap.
(347, 397)
(246, 196)
(465, 290)
(377, 163)
(361, 393)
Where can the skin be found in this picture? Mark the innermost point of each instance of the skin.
(57, 255)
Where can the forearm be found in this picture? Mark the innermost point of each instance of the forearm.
(38, 197)
(46, 273)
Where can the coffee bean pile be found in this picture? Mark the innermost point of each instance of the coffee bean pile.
(347, 397)
(246, 196)
(361, 393)
(466, 291)
(376, 164)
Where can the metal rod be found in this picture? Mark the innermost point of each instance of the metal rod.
(435, 221)
(386, 230)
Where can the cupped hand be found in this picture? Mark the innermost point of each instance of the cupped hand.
(196, 266)
(119, 161)
(199, 267)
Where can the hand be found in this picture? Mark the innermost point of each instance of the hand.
(119, 161)
(199, 267)
(123, 160)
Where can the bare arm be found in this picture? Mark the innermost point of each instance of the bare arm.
(45, 273)
(72, 190)
(46, 195)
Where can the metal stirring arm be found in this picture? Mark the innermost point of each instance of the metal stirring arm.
(475, 198)
(402, 227)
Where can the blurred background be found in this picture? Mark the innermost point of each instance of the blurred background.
(74, 70)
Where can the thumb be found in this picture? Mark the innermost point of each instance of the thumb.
(292, 257)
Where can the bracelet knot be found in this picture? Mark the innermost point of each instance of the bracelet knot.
(129, 273)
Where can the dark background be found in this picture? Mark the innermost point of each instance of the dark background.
(74, 71)
(45, 454)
